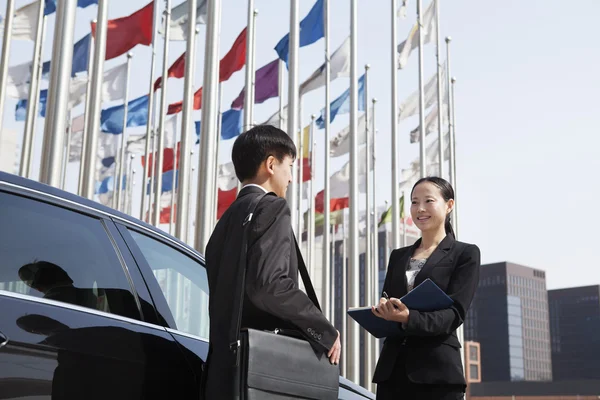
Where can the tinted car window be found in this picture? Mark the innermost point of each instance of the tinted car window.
(183, 282)
(54, 253)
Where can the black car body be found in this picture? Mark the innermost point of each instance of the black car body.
(95, 304)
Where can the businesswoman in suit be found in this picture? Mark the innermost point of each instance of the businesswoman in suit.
(424, 362)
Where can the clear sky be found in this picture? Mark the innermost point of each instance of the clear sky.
(526, 112)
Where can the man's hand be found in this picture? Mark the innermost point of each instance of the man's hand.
(335, 351)
(391, 310)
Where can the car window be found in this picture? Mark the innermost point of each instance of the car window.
(183, 282)
(54, 253)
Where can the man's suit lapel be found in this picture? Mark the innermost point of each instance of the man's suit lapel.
(434, 259)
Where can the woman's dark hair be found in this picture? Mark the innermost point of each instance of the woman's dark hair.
(447, 193)
(254, 146)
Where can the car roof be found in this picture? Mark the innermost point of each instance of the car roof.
(52, 191)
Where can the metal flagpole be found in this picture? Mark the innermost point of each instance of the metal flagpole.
(422, 146)
(176, 174)
(331, 249)
(280, 82)
(311, 207)
(208, 137)
(375, 294)
(162, 116)
(34, 112)
(219, 128)
(187, 127)
(190, 195)
(93, 126)
(439, 97)
(130, 196)
(354, 266)
(326, 297)
(150, 122)
(250, 69)
(28, 135)
(450, 106)
(58, 94)
(68, 137)
(453, 157)
(300, 174)
(395, 188)
(293, 98)
(367, 369)
(6, 41)
(345, 343)
(404, 238)
(122, 160)
(86, 117)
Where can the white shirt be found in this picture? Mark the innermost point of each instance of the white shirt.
(254, 184)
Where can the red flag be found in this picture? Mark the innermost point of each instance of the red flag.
(335, 204)
(306, 171)
(125, 33)
(165, 214)
(168, 160)
(176, 70)
(225, 199)
(233, 61)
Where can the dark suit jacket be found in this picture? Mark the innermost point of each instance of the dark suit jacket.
(272, 296)
(430, 343)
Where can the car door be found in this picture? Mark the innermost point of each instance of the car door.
(71, 325)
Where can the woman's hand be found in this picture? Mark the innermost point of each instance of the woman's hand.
(391, 310)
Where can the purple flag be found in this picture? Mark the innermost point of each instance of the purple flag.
(266, 86)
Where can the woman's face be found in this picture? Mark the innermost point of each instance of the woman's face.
(428, 208)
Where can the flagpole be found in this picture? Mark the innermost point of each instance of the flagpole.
(162, 116)
(367, 369)
(404, 238)
(187, 127)
(375, 295)
(219, 128)
(174, 181)
(122, 160)
(150, 123)
(93, 126)
(131, 186)
(250, 68)
(6, 41)
(300, 157)
(280, 83)
(189, 211)
(68, 137)
(439, 96)
(86, 116)
(311, 220)
(345, 343)
(326, 297)
(453, 157)
(422, 146)
(450, 108)
(58, 93)
(34, 85)
(293, 98)
(354, 266)
(395, 189)
(206, 165)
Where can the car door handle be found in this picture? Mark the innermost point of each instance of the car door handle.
(3, 340)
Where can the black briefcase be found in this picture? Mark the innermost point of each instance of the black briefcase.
(281, 364)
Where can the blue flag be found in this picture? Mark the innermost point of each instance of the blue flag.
(167, 182)
(80, 57)
(50, 6)
(231, 125)
(21, 108)
(311, 30)
(341, 105)
(108, 185)
(111, 119)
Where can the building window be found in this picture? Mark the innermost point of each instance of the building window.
(473, 353)
(474, 372)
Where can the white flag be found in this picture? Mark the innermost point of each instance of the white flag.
(113, 86)
(340, 144)
(25, 22)
(17, 84)
(77, 124)
(227, 179)
(136, 144)
(412, 42)
(412, 174)
(339, 65)
(431, 123)
(410, 106)
(274, 119)
(180, 19)
(402, 9)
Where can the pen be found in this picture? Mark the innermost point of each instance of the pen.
(385, 296)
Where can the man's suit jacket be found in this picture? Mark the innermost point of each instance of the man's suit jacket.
(272, 296)
(430, 343)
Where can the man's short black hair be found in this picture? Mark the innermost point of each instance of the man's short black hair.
(254, 146)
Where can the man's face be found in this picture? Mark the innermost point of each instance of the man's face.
(281, 175)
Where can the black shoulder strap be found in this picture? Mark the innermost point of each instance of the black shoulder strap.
(238, 303)
(310, 290)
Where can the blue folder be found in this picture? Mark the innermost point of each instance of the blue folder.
(425, 297)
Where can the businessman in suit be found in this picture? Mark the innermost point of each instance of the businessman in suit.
(263, 158)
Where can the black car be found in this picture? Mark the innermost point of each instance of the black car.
(95, 304)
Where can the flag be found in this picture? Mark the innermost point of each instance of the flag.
(266, 85)
(170, 160)
(341, 105)
(227, 179)
(165, 213)
(167, 181)
(125, 33)
(412, 42)
(233, 61)
(25, 22)
(76, 141)
(114, 82)
(176, 70)
(339, 66)
(111, 119)
(431, 123)
(386, 217)
(306, 140)
(410, 106)
(335, 204)
(340, 144)
(180, 19)
(231, 124)
(21, 107)
(225, 199)
(274, 119)
(311, 30)
(81, 51)
(412, 174)
(335, 218)
(50, 6)
(18, 79)
(402, 10)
